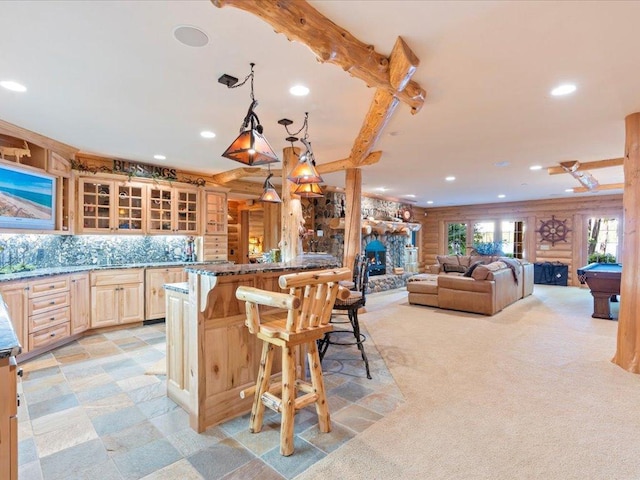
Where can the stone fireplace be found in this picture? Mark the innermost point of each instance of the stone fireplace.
(376, 254)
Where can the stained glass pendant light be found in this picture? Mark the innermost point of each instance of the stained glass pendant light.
(269, 194)
(308, 190)
(251, 147)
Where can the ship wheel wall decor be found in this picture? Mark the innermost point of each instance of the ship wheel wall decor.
(553, 230)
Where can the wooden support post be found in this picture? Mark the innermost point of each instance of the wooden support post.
(628, 348)
(353, 216)
(271, 225)
(291, 210)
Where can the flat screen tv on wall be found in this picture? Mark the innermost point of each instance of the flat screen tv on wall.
(27, 199)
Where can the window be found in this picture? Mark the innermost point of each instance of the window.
(512, 238)
(483, 232)
(457, 238)
(603, 240)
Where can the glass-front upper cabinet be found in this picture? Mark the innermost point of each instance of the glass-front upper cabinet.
(110, 206)
(172, 210)
(215, 213)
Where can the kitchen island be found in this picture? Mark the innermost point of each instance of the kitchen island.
(211, 350)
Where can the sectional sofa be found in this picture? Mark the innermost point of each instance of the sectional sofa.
(477, 284)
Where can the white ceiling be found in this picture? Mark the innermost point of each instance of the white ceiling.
(109, 78)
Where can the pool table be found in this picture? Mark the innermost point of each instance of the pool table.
(604, 281)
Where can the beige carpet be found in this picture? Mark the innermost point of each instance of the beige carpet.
(529, 393)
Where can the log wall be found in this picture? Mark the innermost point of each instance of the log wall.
(576, 211)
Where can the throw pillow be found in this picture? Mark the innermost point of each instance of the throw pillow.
(470, 270)
(448, 268)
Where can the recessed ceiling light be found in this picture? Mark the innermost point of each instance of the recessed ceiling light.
(382, 189)
(159, 157)
(535, 167)
(502, 195)
(569, 190)
(429, 202)
(299, 90)
(450, 179)
(564, 89)
(13, 86)
(190, 36)
(504, 163)
(410, 195)
(207, 134)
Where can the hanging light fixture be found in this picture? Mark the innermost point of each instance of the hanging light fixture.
(304, 174)
(308, 190)
(269, 193)
(250, 148)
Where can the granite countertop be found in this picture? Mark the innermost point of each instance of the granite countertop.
(45, 272)
(303, 262)
(9, 345)
(181, 287)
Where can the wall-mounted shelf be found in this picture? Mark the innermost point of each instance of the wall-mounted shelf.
(379, 226)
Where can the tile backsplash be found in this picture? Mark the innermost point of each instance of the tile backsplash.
(46, 251)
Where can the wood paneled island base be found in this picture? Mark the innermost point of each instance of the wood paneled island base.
(222, 357)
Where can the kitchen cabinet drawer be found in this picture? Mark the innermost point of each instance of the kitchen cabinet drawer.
(47, 303)
(40, 288)
(117, 277)
(49, 319)
(49, 335)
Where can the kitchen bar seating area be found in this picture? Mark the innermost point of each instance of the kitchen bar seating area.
(381, 273)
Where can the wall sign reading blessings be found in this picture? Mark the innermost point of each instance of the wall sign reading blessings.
(144, 170)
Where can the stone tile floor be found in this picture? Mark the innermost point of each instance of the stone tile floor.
(94, 410)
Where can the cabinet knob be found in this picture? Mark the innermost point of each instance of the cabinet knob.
(53, 334)
(52, 319)
(52, 302)
(52, 286)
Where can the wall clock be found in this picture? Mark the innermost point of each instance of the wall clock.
(553, 230)
(406, 214)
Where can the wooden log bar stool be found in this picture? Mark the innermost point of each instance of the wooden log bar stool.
(309, 303)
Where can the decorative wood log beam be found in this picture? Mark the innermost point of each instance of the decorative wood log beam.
(248, 188)
(403, 65)
(380, 111)
(346, 163)
(608, 186)
(237, 173)
(302, 23)
(611, 162)
(231, 178)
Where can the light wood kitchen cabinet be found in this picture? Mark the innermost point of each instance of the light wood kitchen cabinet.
(215, 213)
(80, 302)
(15, 295)
(213, 244)
(8, 419)
(214, 247)
(173, 210)
(108, 206)
(117, 297)
(49, 311)
(178, 371)
(155, 278)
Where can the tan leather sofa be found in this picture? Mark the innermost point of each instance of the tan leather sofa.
(489, 289)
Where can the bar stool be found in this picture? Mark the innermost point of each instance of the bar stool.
(309, 303)
(355, 301)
